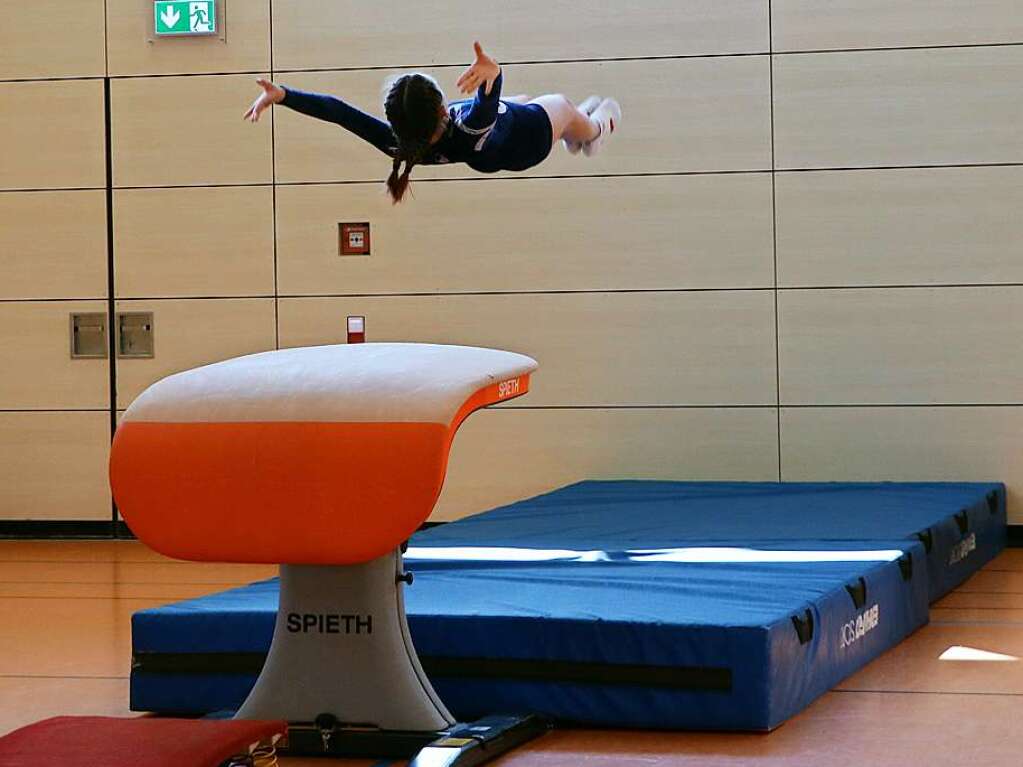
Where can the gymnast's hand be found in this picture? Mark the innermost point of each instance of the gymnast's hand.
(483, 70)
(272, 94)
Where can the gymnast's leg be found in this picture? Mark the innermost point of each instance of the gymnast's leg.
(568, 121)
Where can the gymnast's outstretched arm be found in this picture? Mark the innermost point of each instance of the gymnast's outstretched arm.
(328, 108)
(484, 77)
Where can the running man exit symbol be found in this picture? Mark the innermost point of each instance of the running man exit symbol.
(185, 18)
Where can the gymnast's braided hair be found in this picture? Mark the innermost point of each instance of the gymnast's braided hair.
(413, 106)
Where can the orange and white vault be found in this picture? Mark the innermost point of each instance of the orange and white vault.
(316, 455)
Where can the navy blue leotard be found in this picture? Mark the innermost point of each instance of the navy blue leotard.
(487, 134)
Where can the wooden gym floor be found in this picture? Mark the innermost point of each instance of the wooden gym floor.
(65, 648)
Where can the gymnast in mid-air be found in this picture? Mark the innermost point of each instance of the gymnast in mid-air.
(486, 133)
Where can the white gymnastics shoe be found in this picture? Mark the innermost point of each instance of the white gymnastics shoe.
(607, 116)
(586, 108)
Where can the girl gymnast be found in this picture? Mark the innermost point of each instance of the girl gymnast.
(486, 133)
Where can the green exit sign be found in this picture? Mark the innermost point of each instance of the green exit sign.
(191, 17)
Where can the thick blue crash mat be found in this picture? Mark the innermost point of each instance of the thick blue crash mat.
(631, 604)
(961, 525)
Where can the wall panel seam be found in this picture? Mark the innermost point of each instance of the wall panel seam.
(535, 62)
(451, 65)
(892, 405)
(665, 57)
(660, 174)
(901, 286)
(50, 300)
(484, 178)
(551, 292)
(111, 272)
(524, 178)
(683, 173)
(267, 296)
(589, 292)
(68, 78)
(769, 406)
(774, 235)
(106, 39)
(54, 410)
(44, 189)
(192, 186)
(917, 166)
(650, 406)
(592, 291)
(889, 48)
(273, 185)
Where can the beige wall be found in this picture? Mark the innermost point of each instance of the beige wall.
(54, 411)
(800, 264)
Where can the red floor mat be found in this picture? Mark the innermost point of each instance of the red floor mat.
(86, 741)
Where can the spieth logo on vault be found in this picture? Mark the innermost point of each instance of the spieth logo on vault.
(854, 631)
(329, 623)
(508, 388)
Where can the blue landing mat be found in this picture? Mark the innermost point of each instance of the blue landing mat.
(959, 524)
(636, 604)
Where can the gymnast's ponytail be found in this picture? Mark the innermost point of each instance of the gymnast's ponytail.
(397, 182)
(413, 105)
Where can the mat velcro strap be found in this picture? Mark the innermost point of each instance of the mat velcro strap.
(858, 592)
(906, 566)
(963, 521)
(926, 537)
(992, 502)
(803, 626)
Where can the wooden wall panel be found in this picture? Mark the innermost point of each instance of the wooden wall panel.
(901, 346)
(216, 241)
(52, 135)
(310, 34)
(52, 38)
(531, 234)
(54, 244)
(170, 131)
(900, 227)
(54, 466)
(38, 372)
(594, 349)
(899, 108)
(801, 25)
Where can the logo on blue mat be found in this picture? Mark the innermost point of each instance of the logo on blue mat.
(963, 549)
(855, 630)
